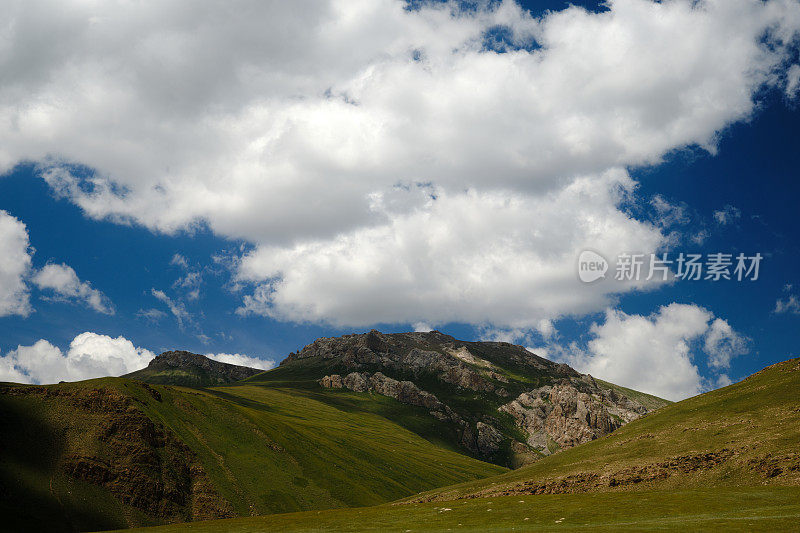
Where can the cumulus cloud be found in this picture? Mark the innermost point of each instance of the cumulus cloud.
(15, 264)
(659, 353)
(508, 260)
(242, 360)
(722, 344)
(90, 355)
(362, 138)
(64, 283)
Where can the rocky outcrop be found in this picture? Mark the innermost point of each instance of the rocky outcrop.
(488, 439)
(554, 406)
(119, 448)
(417, 353)
(182, 359)
(194, 370)
(563, 415)
(483, 440)
(402, 391)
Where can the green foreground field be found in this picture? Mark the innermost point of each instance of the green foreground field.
(743, 509)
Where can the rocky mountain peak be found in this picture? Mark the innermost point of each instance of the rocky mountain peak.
(180, 367)
(501, 398)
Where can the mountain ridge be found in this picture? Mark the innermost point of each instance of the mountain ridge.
(744, 434)
(179, 367)
(725, 460)
(504, 403)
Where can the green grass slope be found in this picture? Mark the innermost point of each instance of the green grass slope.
(746, 434)
(271, 450)
(186, 377)
(303, 375)
(728, 510)
(648, 400)
(117, 453)
(727, 460)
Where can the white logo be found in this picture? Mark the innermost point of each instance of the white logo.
(591, 266)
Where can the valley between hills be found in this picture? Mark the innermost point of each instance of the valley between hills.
(412, 431)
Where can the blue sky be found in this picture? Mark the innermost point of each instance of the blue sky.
(167, 215)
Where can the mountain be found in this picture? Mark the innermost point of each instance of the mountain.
(350, 421)
(190, 370)
(726, 460)
(494, 400)
(116, 453)
(746, 434)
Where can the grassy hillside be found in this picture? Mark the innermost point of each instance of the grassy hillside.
(114, 453)
(745, 510)
(507, 368)
(270, 450)
(648, 400)
(727, 460)
(187, 377)
(746, 434)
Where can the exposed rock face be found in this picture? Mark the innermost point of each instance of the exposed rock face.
(402, 391)
(182, 359)
(489, 439)
(433, 352)
(142, 463)
(564, 415)
(203, 371)
(555, 406)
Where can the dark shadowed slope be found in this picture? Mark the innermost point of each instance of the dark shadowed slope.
(118, 453)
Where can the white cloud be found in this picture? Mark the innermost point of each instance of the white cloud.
(790, 304)
(723, 381)
(700, 237)
(793, 81)
(508, 260)
(10, 373)
(191, 282)
(15, 263)
(179, 260)
(669, 214)
(544, 330)
(727, 215)
(722, 344)
(65, 284)
(242, 360)
(177, 308)
(153, 315)
(90, 355)
(289, 124)
(657, 354)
